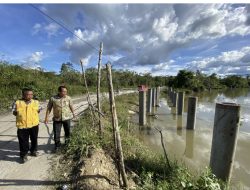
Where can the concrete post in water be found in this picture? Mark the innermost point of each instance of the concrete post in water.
(149, 101)
(180, 106)
(175, 99)
(153, 97)
(158, 96)
(142, 108)
(191, 115)
(179, 125)
(171, 97)
(226, 127)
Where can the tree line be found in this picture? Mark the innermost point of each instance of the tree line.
(13, 78)
(198, 81)
(44, 84)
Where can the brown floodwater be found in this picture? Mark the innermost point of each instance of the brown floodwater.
(193, 147)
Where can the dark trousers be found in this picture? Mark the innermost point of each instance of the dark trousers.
(23, 139)
(57, 125)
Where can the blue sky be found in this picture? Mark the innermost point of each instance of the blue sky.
(161, 39)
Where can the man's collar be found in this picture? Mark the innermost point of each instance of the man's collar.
(60, 96)
(27, 101)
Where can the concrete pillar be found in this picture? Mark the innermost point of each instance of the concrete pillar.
(142, 108)
(179, 125)
(149, 101)
(173, 113)
(153, 97)
(158, 96)
(180, 106)
(226, 127)
(171, 96)
(175, 99)
(191, 115)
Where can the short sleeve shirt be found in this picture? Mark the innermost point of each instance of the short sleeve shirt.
(61, 108)
(27, 102)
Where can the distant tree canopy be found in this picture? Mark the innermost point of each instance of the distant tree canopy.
(198, 81)
(13, 78)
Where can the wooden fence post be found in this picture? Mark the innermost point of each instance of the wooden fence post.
(98, 88)
(117, 138)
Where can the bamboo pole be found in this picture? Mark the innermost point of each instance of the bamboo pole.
(98, 88)
(116, 132)
(88, 96)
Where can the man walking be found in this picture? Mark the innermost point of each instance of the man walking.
(62, 114)
(27, 111)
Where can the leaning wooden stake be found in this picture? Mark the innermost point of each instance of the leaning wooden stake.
(117, 137)
(164, 149)
(88, 96)
(98, 88)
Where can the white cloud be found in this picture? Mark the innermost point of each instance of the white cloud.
(114, 57)
(36, 28)
(77, 48)
(231, 62)
(36, 57)
(33, 61)
(85, 61)
(50, 29)
(147, 34)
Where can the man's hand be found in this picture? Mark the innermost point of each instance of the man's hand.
(46, 121)
(14, 113)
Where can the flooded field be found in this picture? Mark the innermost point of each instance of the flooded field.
(193, 147)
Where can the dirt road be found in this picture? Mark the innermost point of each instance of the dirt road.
(34, 174)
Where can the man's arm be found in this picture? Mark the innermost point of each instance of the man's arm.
(39, 108)
(71, 107)
(14, 111)
(49, 108)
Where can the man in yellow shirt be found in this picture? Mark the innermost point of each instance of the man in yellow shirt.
(62, 114)
(27, 111)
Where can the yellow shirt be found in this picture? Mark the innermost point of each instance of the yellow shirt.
(27, 114)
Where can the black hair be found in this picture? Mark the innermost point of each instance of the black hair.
(61, 87)
(26, 90)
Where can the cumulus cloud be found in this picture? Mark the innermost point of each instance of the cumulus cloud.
(77, 47)
(230, 62)
(50, 29)
(248, 14)
(33, 61)
(148, 34)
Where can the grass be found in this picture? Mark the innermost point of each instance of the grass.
(149, 166)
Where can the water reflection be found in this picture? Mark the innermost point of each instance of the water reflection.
(179, 125)
(193, 147)
(173, 112)
(189, 150)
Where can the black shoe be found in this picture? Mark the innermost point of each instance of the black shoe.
(57, 148)
(23, 159)
(33, 154)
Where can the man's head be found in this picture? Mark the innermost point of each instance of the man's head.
(62, 91)
(27, 93)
